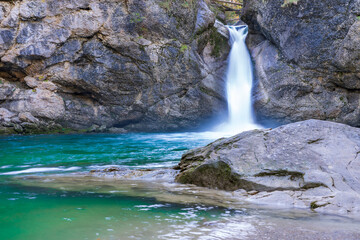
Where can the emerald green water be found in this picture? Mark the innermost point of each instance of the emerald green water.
(30, 212)
(46, 193)
(20, 153)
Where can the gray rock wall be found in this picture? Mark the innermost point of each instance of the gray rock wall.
(306, 56)
(135, 64)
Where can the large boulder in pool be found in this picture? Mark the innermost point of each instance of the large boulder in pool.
(307, 59)
(313, 164)
(142, 65)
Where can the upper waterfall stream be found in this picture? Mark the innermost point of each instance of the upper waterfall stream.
(239, 79)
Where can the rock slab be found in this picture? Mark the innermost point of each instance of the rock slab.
(311, 164)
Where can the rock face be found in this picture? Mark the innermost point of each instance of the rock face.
(307, 59)
(314, 164)
(139, 65)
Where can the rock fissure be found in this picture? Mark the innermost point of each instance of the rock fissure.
(281, 173)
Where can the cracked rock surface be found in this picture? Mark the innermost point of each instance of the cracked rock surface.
(111, 64)
(311, 164)
(307, 59)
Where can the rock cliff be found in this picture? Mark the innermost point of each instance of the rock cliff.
(142, 65)
(307, 59)
(311, 164)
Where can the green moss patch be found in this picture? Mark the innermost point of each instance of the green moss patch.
(218, 42)
(217, 175)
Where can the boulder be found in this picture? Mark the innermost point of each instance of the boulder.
(313, 164)
(31, 82)
(6, 114)
(27, 117)
(33, 10)
(39, 102)
(306, 57)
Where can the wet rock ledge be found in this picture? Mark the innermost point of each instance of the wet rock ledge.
(311, 164)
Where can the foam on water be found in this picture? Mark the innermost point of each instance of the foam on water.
(42, 170)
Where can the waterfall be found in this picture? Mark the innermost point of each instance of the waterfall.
(239, 83)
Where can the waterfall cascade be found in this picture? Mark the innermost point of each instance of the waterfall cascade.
(239, 83)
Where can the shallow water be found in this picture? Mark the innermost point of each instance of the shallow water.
(46, 193)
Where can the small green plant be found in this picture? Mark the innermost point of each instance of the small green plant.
(1, 82)
(313, 205)
(144, 30)
(185, 5)
(34, 90)
(358, 18)
(183, 48)
(343, 100)
(136, 18)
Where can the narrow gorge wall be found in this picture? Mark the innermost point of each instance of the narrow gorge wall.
(307, 59)
(142, 65)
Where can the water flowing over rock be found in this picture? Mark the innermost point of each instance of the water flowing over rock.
(139, 65)
(311, 164)
(306, 56)
(239, 79)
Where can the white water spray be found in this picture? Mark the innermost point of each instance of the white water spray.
(239, 84)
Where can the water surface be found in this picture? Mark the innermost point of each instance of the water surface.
(47, 193)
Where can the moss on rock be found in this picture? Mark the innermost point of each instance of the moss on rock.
(218, 42)
(216, 175)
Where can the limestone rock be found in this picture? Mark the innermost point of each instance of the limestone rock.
(27, 117)
(39, 102)
(204, 18)
(139, 65)
(33, 10)
(48, 86)
(5, 114)
(31, 82)
(117, 130)
(220, 27)
(314, 164)
(306, 59)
